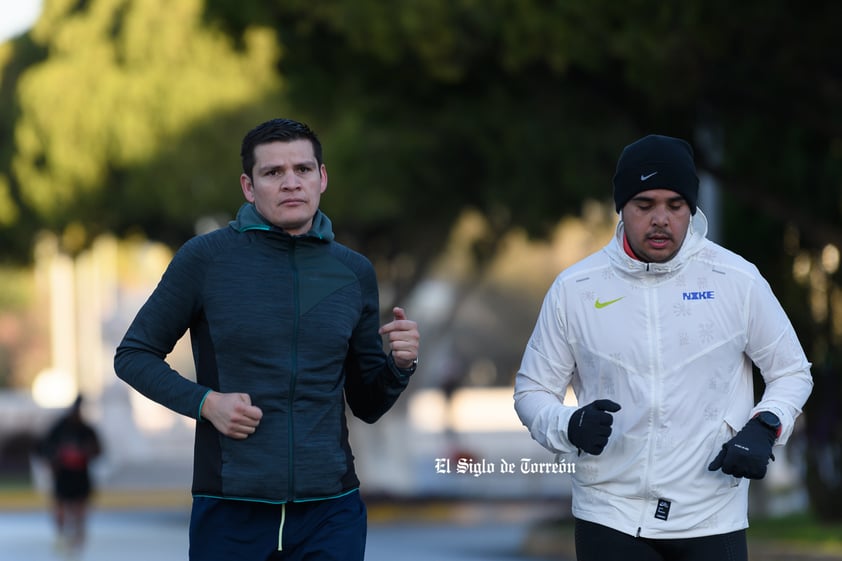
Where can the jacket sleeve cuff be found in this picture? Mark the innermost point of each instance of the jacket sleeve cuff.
(202, 404)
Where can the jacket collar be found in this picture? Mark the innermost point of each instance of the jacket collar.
(693, 243)
(249, 219)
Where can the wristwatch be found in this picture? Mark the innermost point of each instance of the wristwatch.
(771, 421)
(409, 369)
(412, 367)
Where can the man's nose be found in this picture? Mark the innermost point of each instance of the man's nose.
(660, 215)
(290, 181)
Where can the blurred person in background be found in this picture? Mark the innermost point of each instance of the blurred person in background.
(69, 447)
(285, 327)
(658, 333)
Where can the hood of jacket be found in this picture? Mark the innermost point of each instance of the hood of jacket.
(248, 218)
(694, 241)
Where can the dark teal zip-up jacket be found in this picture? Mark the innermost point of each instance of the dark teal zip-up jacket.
(290, 320)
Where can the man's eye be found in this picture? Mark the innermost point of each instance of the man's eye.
(303, 169)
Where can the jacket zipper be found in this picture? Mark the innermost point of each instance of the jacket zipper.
(294, 371)
(654, 370)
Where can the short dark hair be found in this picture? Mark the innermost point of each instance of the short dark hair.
(277, 130)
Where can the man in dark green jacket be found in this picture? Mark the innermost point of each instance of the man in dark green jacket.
(284, 325)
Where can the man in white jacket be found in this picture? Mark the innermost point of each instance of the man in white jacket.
(658, 333)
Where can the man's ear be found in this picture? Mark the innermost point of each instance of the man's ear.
(323, 173)
(247, 187)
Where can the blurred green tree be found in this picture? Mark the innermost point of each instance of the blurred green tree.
(519, 108)
(132, 118)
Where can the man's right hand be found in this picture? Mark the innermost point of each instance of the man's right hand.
(590, 426)
(232, 414)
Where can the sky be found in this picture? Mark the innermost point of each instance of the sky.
(17, 16)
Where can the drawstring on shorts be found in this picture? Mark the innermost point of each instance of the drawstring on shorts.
(281, 528)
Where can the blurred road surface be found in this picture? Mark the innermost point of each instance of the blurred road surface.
(486, 532)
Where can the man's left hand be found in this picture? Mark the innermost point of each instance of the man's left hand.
(403, 338)
(748, 453)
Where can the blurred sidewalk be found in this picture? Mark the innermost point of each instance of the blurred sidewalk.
(136, 535)
(416, 531)
(147, 524)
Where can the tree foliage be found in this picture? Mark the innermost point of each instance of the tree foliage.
(134, 116)
(516, 108)
(520, 108)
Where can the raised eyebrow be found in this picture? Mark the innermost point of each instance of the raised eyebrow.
(266, 169)
(310, 164)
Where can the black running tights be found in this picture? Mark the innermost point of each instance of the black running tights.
(595, 542)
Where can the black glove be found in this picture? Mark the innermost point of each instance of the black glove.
(748, 453)
(590, 426)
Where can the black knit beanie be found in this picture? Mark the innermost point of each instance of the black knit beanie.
(656, 162)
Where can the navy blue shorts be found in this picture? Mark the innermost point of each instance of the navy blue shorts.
(331, 529)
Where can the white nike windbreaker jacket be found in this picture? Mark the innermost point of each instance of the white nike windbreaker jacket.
(673, 344)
